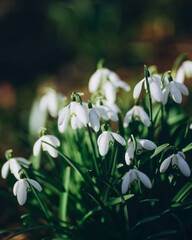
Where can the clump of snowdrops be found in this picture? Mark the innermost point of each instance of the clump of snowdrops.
(100, 171)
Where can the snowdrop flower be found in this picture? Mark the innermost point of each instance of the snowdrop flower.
(54, 141)
(108, 81)
(21, 188)
(177, 160)
(137, 113)
(50, 102)
(132, 176)
(110, 109)
(14, 165)
(184, 70)
(107, 137)
(76, 112)
(141, 144)
(175, 89)
(155, 86)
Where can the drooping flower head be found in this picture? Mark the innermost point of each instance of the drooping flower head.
(185, 70)
(21, 188)
(177, 160)
(45, 142)
(174, 89)
(107, 82)
(14, 164)
(155, 86)
(132, 176)
(137, 113)
(141, 144)
(107, 137)
(76, 112)
(50, 102)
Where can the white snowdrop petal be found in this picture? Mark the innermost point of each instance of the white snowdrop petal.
(104, 143)
(175, 93)
(165, 164)
(53, 103)
(15, 188)
(74, 122)
(147, 144)
(63, 127)
(95, 81)
(35, 184)
(81, 113)
(125, 183)
(52, 152)
(184, 90)
(22, 160)
(5, 169)
(156, 92)
(54, 140)
(37, 147)
(43, 103)
(183, 166)
(128, 118)
(182, 154)
(119, 138)
(165, 95)
(22, 192)
(101, 113)
(180, 75)
(15, 168)
(137, 89)
(110, 92)
(122, 85)
(144, 179)
(144, 117)
(129, 154)
(64, 115)
(94, 120)
(112, 115)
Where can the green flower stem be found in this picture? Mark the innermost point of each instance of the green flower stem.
(41, 204)
(150, 101)
(94, 153)
(64, 195)
(113, 161)
(162, 116)
(112, 165)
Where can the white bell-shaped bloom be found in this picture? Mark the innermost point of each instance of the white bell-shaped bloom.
(94, 121)
(155, 86)
(107, 137)
(14, 165)
(76, 112)
(175, 89)
(108, 81)
(177, 160)
(110, 109)
(138, 113)
(51, 140)
(141, 144)
(21, 187)
(50, 102)
(185, 70)
(132, 176)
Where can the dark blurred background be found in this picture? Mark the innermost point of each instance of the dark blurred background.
(60, 42)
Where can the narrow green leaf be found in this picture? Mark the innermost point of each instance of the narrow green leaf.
(147, 220)
(159, 149)
(180, 195)
(187, 148)
(120, 200)
(161, 234)
(63, 229)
